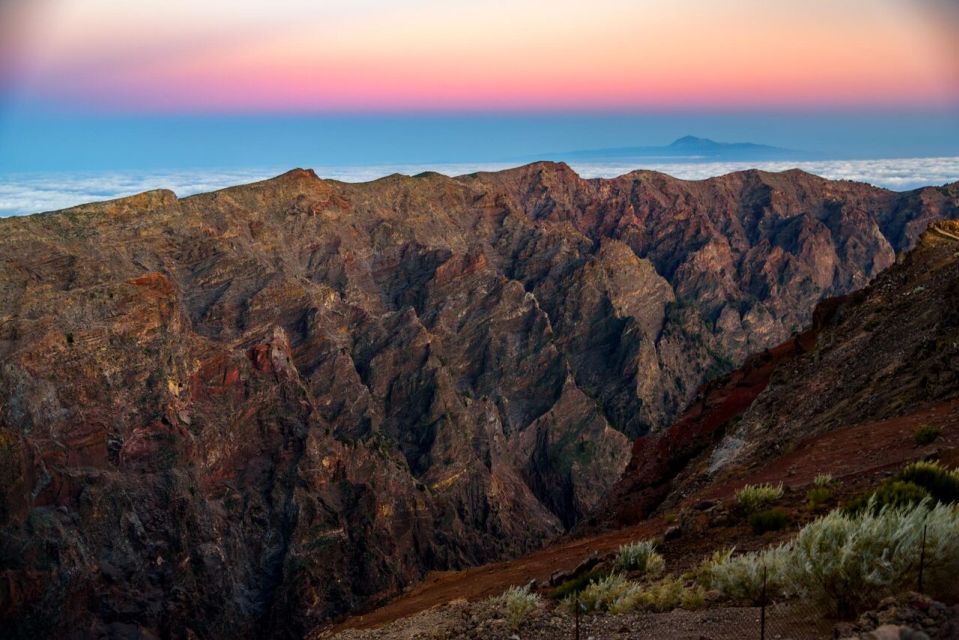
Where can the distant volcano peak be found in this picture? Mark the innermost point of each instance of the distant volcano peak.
(692, 140)
(689, 148)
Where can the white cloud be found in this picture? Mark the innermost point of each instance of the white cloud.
(898, 174)
(28, 193)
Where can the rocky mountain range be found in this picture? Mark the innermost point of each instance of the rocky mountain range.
(888, 350)
(243, 413)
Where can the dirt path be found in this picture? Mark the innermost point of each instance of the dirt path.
(857, 455)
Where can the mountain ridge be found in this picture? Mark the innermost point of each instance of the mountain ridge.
(275, 403)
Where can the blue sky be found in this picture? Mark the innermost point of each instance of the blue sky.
(57, 142)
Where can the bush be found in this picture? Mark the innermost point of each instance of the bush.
(851, 561)
(693, 598)
(518, 603)
(926, 434)
(577, 584)
(741, 577)
(754, 497)
(640, 556)
(616, 594)
(818, 497)
(941, 483)
(664, 595)
(910, 486)
(703, 574)
(896, 493)
(823, 480)
(768, 520)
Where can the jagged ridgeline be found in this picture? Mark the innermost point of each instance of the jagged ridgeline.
(244, 412)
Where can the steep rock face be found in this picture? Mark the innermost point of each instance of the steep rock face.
(243, 412)
(887, 350)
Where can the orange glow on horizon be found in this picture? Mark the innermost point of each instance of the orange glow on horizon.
(498, 55)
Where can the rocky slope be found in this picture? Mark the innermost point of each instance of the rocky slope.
(243, 412)
(887, 350)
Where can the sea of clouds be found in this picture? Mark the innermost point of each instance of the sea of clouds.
(34, 192)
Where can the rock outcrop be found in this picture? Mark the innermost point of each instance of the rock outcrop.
(245, 412)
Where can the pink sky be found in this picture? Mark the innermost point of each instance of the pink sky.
(375, 55)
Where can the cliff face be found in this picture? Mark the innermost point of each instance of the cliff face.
(888, 350)
(243, 412)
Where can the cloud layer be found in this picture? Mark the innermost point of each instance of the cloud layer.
(34, 192)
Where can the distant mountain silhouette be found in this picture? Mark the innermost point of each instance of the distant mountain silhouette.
(689, 149)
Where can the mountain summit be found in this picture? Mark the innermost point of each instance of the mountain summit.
(689, 148)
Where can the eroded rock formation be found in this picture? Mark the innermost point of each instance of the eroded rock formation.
(240, 413)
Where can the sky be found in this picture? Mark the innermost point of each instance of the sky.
(118, 85)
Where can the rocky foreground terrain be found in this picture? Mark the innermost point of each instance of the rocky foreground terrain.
(242, 413)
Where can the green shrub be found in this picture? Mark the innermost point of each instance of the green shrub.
(577, 584)
(518, 603)
(910, 486)
(741, 577)
(664, 595)
(693, 598)
(926, 434)
(754, 497)
(703, 573)
(891, 493)
(818, 497)
(851, 561)
(941, 483)
(823, 480)
(768, 520)
(616, 594)
(614, 591)
(640, 556)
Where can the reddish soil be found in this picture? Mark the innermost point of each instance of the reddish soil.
(658, 457)
(857, 456)
(862, 450)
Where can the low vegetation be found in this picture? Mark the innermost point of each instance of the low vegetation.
(818, 498)
(941, 483)
(915, 483)
(768, 520)
(926, 434)
(640, 556)
(849, 561)
(754, 497)
(823, 480)
(703, 574)
(517, 604)
(617, 594)
(575, 585)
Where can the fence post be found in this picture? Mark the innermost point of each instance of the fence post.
(922, 557)
(762, 610)
(576, 616)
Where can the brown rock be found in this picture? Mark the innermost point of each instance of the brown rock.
(241, 413)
